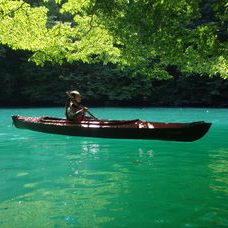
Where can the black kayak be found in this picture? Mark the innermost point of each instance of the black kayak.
(121, 129)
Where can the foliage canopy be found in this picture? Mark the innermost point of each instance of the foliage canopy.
(148, 35)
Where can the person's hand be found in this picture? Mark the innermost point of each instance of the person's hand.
(85, 109)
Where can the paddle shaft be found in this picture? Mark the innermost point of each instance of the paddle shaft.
(92, 115)
(82, 108)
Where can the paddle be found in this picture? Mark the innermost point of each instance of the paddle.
(92, 115)
(83, 108)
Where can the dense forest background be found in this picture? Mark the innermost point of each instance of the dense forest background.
(25, 84)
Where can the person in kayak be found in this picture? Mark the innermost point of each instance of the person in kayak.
(74, 110)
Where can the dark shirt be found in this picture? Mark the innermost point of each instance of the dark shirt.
(74, 112)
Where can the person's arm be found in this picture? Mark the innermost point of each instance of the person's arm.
(78, 111)
(82, 109)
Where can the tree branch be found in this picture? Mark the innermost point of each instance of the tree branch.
(12, 11)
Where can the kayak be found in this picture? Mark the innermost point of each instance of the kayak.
(121, 129)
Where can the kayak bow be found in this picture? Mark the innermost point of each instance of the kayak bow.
(121, 129)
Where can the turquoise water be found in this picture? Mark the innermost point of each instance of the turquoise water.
(61, 181)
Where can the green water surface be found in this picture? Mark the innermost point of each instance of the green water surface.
(62, 181)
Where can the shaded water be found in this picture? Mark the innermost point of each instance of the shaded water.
(61, 181)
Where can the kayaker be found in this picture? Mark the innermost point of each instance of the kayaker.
(74, 110)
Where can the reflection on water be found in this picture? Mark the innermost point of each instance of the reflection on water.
(219, 167)
(81, 190)
(145, 157)
(60, 181)
(66, 181)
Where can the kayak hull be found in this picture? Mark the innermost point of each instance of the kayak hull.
(132, 129)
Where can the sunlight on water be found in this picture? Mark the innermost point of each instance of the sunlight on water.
(62, 181)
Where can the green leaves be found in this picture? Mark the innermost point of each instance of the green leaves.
(146, 35)
(23, 27)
